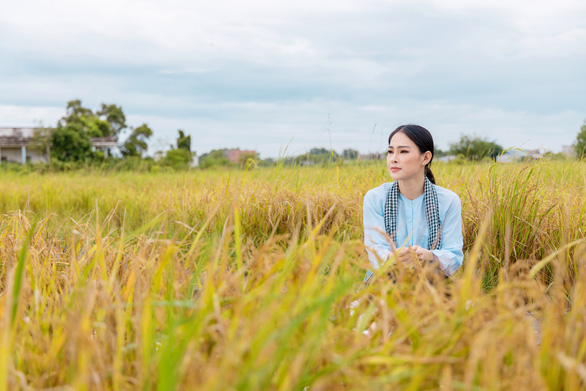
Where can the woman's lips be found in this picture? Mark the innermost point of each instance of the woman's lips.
(395, 169)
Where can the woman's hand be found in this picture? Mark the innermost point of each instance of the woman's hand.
(406, 255)
(423, 254)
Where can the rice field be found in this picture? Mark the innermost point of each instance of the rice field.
(244, 280)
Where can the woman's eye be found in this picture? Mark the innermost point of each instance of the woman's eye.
(403, 151)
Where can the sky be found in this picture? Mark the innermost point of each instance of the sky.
(281, 77)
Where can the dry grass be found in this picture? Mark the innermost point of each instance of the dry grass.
(243, 280)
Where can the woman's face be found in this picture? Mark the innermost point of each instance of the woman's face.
(404, 159)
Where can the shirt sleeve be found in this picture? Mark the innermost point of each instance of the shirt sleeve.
(450, 255)
(377, 245)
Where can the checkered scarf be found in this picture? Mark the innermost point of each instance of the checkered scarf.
(431, 212)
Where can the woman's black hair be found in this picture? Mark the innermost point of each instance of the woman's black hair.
(422, 138)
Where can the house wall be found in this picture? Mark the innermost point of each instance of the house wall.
(14, 155)
(233, 155)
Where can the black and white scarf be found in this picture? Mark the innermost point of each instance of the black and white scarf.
(431, 211)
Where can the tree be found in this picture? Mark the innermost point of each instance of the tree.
(321, 151)
(216, 157)
(136, 144)
(75, 112)
(350, 154)
(96, 127)
(178, 158)
(113, 115)
(580, 143)
(440, 153)
(71, 139)
(183, 141)
(181, 156)
(106, 122)
(475, 148)
(319, 156)
(70, 143)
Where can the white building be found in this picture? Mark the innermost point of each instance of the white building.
(17, 145)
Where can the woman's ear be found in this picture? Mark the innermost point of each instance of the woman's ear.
(427, 157)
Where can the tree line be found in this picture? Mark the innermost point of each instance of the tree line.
(71, 141)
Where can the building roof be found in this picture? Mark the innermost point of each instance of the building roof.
(23, 137)
(103, 142)
(17, 131)
(7, 141)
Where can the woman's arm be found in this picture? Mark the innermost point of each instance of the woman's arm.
(375, 240)
(450, 255)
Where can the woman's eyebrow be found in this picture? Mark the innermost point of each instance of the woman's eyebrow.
(400, 146)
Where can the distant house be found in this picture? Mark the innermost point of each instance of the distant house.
(18, 146)
(15, 146)
(236, 156)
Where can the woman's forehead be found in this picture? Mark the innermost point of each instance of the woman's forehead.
(400, 139)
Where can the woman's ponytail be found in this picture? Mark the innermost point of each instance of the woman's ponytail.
(429, 174)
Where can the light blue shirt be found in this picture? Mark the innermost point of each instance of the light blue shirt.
(412, 228)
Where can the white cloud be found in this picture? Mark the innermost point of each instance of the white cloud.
(259, 72)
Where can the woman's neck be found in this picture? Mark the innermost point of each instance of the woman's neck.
(412, 188)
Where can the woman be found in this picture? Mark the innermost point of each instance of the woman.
(412, 216)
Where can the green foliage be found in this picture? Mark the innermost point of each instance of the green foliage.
(70, 140)
(580, 144)
(96, 127)
(560, 156)
(440, 153)
(181, 156)
(136, 144)
(178, 158)
(321, 156)
(75, 112)
(183, 141)
(350, 154)
(71, 143)
(321, 151)
(268, 162)
(114, 116)
(475, 148)
(215, 158)
(105, 123)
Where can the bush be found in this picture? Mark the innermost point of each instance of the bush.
(178, 158)
(215, 158)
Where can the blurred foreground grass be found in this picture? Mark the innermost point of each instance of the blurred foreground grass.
(223, 280)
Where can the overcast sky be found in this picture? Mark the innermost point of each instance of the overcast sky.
(263, 74)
